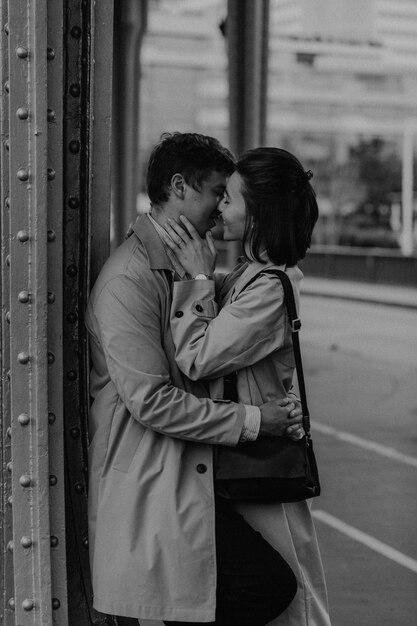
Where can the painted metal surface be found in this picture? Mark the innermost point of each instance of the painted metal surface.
(247, 38)
(75, 214)
(247, 48)
(55, 165)
(28, 175)
(88, 32)
(130, 25)
(54, 114)
(6, 535)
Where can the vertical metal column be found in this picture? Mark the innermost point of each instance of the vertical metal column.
(247, 38)
(407, 196)
(88, 36)
(29, 175)
(130, 25)
(247, 44)
(6, 535)
(55, 113)
(75, 213)
(100, 136)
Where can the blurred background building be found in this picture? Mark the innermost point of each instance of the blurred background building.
(342, 93)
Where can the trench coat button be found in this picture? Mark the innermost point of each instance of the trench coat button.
(179, 314)
(201, 468)
(199, 308)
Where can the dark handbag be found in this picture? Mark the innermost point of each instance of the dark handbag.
(271, 469)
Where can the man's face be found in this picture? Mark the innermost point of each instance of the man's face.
(200, 207)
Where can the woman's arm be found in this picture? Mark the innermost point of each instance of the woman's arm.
(211, 343)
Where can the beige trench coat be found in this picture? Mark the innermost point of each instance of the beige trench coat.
(151, 518)
(251, 334)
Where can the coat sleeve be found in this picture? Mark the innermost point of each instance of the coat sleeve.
(211, 343)
(128, 320)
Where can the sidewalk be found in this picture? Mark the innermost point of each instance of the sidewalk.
(361, 292)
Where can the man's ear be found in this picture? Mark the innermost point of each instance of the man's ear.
(178, 185)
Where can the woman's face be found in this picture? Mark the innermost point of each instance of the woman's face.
(233, 209)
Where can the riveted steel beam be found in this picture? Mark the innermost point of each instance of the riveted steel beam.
(54, 117)
(28, 176)
(88, 36)
(55, 106)
(77, 122)
(6, 526)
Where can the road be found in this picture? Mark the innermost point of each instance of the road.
(361, 366)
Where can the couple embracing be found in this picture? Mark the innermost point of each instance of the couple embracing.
(166, 332)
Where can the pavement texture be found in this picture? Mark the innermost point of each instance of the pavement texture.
(391, 295)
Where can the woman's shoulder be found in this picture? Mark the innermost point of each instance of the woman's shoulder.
(264, 277)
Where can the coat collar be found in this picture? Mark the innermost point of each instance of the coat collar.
(153, 244)
(254, 268)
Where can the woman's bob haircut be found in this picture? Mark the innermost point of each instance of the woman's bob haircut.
(281, 205)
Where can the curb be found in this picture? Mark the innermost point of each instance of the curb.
(402, 297)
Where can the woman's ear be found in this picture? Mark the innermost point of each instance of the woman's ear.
(178, 185)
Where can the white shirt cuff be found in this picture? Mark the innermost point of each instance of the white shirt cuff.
(252, 423)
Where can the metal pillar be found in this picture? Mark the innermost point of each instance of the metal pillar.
(247, 45)
(407, 235)
(30, 180)
(247, 38)
(130, 25)
(88, 37)
(6, 526)
(55, 168)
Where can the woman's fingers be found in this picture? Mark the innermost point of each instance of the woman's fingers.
(180, 233)
(194, 234)
(172, 233)
(169, 241)
(210, 242)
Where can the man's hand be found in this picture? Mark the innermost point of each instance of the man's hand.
(280, 418)
(296, 431)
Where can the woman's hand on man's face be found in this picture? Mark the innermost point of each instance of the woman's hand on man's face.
(196, 254)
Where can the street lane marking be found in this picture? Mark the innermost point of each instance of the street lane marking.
(386, 451)
(366, 540)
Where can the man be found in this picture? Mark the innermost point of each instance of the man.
(157, 550)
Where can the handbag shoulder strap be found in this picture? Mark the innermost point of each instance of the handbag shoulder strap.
(295, 328)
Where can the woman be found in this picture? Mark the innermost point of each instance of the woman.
(239, 323)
